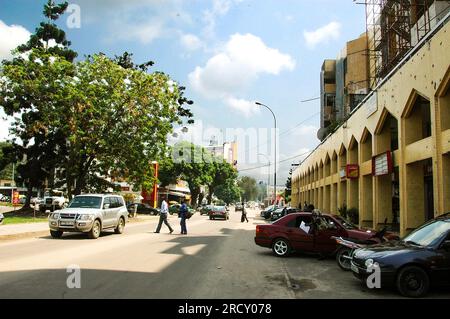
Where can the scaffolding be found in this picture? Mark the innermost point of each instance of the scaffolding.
(392, 25)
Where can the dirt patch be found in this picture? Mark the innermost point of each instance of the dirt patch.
(300, 285)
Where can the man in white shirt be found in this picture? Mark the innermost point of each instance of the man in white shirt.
(163, 217)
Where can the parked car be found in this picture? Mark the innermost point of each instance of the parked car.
(90, 214)
(267, 213)
(36, 201)
(2, 217)
(175, 209)
(238, 207)
(281, 212)
(142, 209)
(53, 200)
(206, 209)
(415, 263)
(219, 212)
(295, 232)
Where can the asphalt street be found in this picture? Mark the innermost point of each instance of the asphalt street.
(218, 259)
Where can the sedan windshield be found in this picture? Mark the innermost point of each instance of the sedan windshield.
(429, 234)
(86, 202)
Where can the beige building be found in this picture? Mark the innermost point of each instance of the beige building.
(391, 158)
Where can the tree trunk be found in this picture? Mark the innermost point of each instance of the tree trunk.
(200, 199)
(194, 198)
(29, 195)
(210, 194)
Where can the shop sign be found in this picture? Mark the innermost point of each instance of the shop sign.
(353, 171)
(16, 198)
(382, 164)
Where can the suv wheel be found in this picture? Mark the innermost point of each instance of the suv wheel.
(281, 248)
(413, 282)
(56, 234)
(96, 229)
(120, 226)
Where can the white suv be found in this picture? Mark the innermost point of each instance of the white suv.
(90, 214)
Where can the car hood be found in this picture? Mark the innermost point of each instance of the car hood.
(361, 233)
(388, 249)
(79, 211)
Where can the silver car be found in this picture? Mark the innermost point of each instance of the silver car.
(90, 214)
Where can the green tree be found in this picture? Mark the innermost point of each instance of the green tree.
(228, 192)
(248, 187)
(194, 165)
(40, 155)
(6, 161)
(288, 190)
(222, 173)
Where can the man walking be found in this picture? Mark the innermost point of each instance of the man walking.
(244, 214)
(163, 217)
(183, 216)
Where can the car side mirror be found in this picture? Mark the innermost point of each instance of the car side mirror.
(106, 206)
(446, 245)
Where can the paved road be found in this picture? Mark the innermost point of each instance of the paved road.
(218, 259)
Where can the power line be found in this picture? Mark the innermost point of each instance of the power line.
(267, 165)
(284, 132)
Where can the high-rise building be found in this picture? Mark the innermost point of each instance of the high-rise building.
(344, 84)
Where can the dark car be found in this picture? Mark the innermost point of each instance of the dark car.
(220, 212)
(143, 209)
(238, 207)
(297, 232)
(413, 264)
(281, 212)
(267, 213)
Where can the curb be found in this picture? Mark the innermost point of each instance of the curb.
(46, 232)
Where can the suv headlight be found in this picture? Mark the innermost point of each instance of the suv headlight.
(54, 215)
(86, 217)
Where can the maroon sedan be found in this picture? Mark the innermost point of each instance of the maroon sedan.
(296, 232)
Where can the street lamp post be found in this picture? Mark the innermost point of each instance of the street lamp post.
(275, 155)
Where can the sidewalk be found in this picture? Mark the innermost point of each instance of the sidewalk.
(25, 230)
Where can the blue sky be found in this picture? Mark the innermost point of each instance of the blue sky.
(228, 53)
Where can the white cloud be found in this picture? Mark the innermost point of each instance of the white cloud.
(237, 65)
(323, 35)
(144, 33)
(11, 37)
(191, 42)
(247, 108)
(219, 8)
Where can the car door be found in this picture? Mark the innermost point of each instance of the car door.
(323, 241)
(107, 212)
(114, 213)
(299, 235)
(441, 271)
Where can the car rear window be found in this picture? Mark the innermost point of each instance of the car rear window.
(297, 221)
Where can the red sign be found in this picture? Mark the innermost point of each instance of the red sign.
(382, 164)
(352, 171)
(125, 188)
(16, 198)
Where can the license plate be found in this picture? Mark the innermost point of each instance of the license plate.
(63, 223)
(355, 268)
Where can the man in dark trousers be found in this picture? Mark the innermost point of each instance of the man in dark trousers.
(183, 216)
(244, 214)
(163, 217)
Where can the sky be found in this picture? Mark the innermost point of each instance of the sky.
(227, 53)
